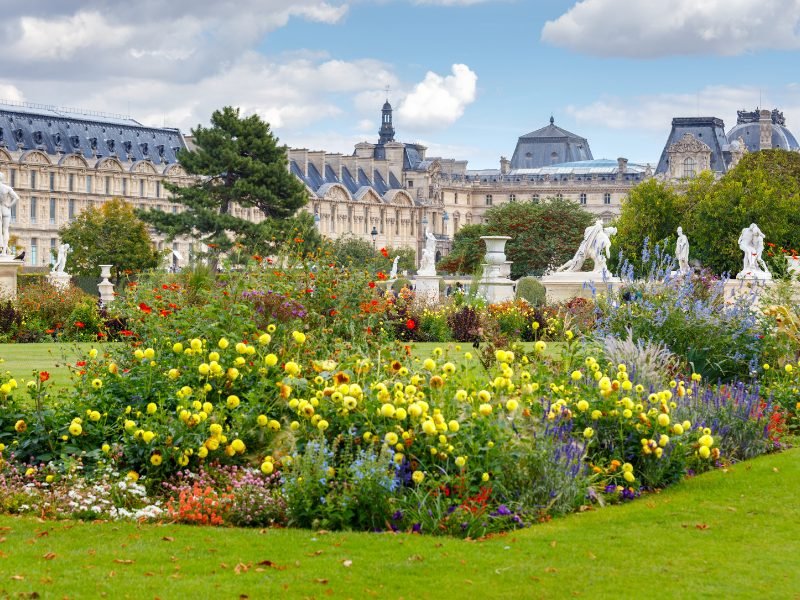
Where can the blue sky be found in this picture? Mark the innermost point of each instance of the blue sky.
(467, 77)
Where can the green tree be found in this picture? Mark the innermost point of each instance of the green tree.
(653, 211)
(238, 164)
(109, 234)
(542, 235)
(764, 188)
(351, 250)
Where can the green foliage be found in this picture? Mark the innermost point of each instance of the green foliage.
(532, 290)
(110, 234)
(239, 165)
(542, 235)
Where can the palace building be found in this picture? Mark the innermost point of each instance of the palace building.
(60, 162)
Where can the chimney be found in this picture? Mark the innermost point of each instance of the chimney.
(765, 126)
(505, 165)
(622, 165)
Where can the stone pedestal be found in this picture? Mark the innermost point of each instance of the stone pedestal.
(60, 281)
(426, 288)
(8, 277)
(106, 287)
(560, 287)
(751, 290)
(493, 286)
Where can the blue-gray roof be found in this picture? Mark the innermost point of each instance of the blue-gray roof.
(709, 130)
(751, 134)
(352, 181)
(549, 145)
(54, 132)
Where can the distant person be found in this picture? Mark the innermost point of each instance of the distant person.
(448, 290)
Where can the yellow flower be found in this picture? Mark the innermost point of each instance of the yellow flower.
(448, 368)
(105, 448)
(264, 339)
(576, 376)
(460, 461)
(155, 459)
(299, 337)
(596, 414)
(93, 353)
(292, 368)
(588, 432)
(387, 410)
(148, 436)
(202, 452)
(583, 405)
(429, 364)
(390, 438)
(151, 408)
(453, 426)
(20, 426)
(262, 420)
(270, 360)
(322, 425)
(788, 368)
(418, 477)
(706, 440)
(274, 425)
(149, 353)
(663, 420)
(138, 354)
(485, 409)
(485, 477)
(133, 476)
(232, 401)
(177, 348)
(484, 396)
(75, 429)
(512, 405)
(540, 346)
(267, 467)
(241, 348)
(97, 383)
(238, 445)
(629, 476)
(468, 355)
(677, 429)
(766, 366)
(627, 467)
(223, 343)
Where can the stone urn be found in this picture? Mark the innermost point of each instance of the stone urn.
(106, 287)
(495, 249)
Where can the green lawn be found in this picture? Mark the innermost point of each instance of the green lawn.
(727, 534)
(22, 359)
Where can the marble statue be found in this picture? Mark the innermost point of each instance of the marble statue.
(393, 272)
(682, 252)
(61, 262)
(596, 245)
(751, 242)
(427, 264)
(8, 198)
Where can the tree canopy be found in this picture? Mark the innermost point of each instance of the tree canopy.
(110, 234)
(542, 235)
(763, 188)
(238, 164)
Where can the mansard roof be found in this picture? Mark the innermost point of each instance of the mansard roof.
(549, 145)
(709, 130)
(58, 132)
(356, 181)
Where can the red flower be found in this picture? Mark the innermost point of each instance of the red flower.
(126, 333)
(333, 312)
(372, 285)
(257, 257)
(44, 376)
(80, 363)
(385, 253)
(165, 313)
(410, 324)
(381, 275)
(79, 324)
(298, 240)
(144, 308)
(50, 331)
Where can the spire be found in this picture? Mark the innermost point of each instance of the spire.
(552, 120)
(386, 131)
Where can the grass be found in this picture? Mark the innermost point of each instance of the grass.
(22, 359)
(731, 533)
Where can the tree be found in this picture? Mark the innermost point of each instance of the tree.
(238, 164)
(542, 235)
(764, 188)
(110, 234)
(351, 250)
(653, 211)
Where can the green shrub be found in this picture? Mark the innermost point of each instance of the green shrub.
(532, 290)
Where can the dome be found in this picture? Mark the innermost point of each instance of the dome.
(748, 129)
(387, 106)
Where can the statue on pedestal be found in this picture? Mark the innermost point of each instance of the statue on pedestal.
(8, 198)
(751, 242)
(61, 262)
(596, 245)
(393, 272)
(682, 252)
(427, 264)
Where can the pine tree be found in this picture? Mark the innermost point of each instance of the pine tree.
(238, 163)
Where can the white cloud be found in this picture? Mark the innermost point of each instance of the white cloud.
(60, 38)
(655, 112)
(653, 28)
(437, 101)
(10, 92)
(451, 2)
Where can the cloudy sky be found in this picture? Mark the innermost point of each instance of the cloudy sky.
(466, 77)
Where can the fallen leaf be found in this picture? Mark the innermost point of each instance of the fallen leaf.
(42, 533)
(124, 561)
(49, 556)
(317, 553)
(18, 577)
(415, 558)
(469, 581)
(149, 574)
(321, 581)
(272, 565)
(553, 544)
(241, 568)
(774, 469)
(167, 538)
(551, 570)
(701, 526)
(347, 563)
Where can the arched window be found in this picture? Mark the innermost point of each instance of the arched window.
(583, 198)
(689, 167)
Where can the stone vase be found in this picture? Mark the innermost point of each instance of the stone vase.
(106, 287)
(495, 249)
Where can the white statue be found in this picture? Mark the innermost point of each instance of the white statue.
(751, 241)
(61, 262)
(596, 245)
(682, 252)
(427, 264)
(8, 198)
(393, 272)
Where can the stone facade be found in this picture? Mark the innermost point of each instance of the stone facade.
(56, 181)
